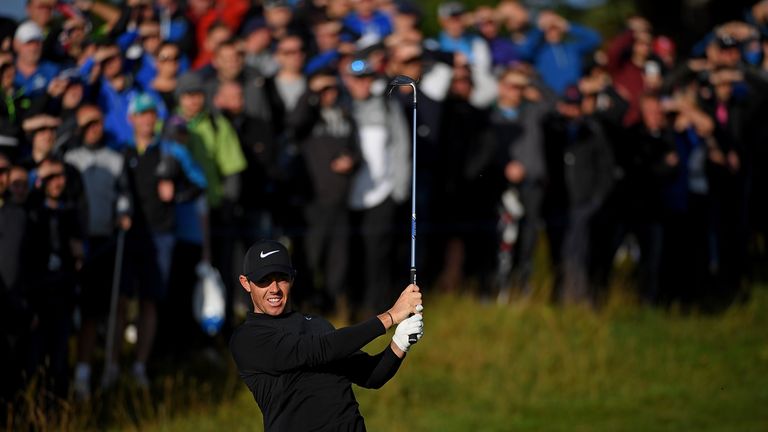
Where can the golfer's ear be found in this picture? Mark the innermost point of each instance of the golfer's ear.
(244, 282)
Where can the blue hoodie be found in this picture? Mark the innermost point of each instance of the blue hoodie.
(560, 65)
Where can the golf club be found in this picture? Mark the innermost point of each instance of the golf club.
(398, 81)
(112, 322)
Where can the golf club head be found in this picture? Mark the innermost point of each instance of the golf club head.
(400, 80)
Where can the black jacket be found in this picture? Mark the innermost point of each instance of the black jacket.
(300, 369)
(580, 163)
(320, 143)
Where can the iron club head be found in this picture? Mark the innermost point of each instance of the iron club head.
(400, 80)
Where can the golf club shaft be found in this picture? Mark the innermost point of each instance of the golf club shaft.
(413, 338)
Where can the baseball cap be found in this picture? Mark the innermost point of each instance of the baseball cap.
(140, 103)
(27, 32)
(252, 25)
(269, 4)
(190, 82)
(450, 9)
(265, 257)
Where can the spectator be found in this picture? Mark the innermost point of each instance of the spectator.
(454, 38)
(517, 121)
(327, 137)
(13, 311)
(434, 71)
(164, 83)
(58, 254)
(158, 173)
(72, 40)
(370, 24)
(115, 93)
(32, 74)
(214, 145)
(10, 110)
(687, 253)
(503, 50)
(228, 65)
(580, 176)
(149, 42)
(632, 67)
(558, 61)
(70, 100)
(327, 45)
(469, 173)
(100, 168)
(289, 83)
(18, 185)
(40, 12)
(257, 40)
(257, 142)
(380, 183)
(176, 28)
(280, 19)
(41, 134)
(647, 161)
(217, 33)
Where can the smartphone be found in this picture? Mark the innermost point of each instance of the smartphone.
(652, 69)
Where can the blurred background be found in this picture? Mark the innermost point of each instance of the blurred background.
(591, 186)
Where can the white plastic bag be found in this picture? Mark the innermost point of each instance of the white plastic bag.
(208, 299)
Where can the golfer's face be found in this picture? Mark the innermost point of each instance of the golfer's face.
(270, 293)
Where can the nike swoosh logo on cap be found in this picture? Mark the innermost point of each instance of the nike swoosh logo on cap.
(264, 255)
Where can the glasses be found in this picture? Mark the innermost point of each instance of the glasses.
(4, 169)
(91, 123)
(289, 51)
(167, 58)
(53, 176)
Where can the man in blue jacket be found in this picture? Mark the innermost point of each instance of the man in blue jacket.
(556, 48)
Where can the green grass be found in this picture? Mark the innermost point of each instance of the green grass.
(537, 367)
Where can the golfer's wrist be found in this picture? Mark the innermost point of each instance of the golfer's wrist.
(387, 319)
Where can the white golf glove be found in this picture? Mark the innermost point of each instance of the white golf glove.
(409, 326)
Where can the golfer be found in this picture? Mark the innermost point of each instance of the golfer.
(298, 367)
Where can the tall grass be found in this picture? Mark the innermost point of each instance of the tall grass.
(488, 367)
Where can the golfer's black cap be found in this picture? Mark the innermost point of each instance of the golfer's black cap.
(265, 257)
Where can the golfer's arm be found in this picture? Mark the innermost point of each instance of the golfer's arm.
(277, 351)
(373, 371)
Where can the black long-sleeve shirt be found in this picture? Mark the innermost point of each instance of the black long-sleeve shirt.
(300, 369)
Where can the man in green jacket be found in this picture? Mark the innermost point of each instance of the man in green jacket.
(214, 144)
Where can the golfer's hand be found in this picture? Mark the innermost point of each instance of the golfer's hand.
(408, 303)
(412, 325)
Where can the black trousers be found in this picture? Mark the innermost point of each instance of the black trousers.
(373, 250)
(327, 246)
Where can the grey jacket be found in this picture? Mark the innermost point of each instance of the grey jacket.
(101, 169)
(380, 111)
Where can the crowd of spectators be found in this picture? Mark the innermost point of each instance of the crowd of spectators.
(171, 133)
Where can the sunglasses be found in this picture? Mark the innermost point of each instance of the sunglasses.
(91, 123)
(4, 169)
(52, 176)
(289, 52)
(168, 58)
